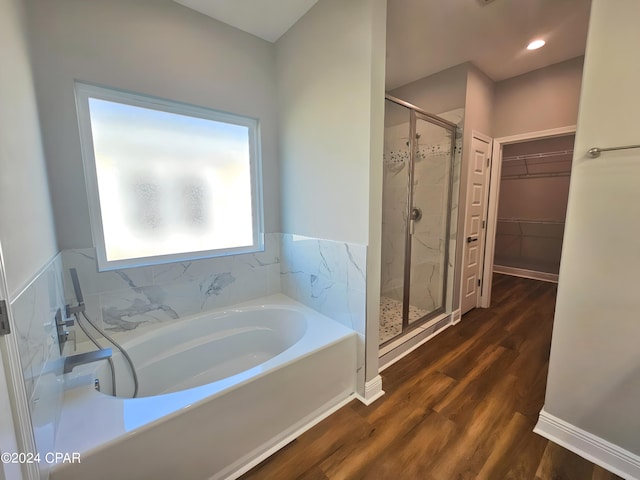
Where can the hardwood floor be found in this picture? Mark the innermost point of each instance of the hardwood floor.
(462, 406)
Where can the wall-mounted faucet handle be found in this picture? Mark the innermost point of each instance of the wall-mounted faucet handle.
(70, 322)
(63, 335)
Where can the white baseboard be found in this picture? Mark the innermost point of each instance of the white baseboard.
(524, 273)
(589, 446)
(456, 317)
(372, 391)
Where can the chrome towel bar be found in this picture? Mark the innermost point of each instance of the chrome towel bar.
(596, 151)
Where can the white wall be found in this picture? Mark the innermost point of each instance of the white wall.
(154, 47)
(479, 103)
(330, 68)
(440, 92)
(376, 144)
(26, 223)
(324, 65)
(539, 100)
(594, 374)
(27, 234)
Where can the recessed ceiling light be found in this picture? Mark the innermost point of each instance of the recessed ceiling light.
(536, 44)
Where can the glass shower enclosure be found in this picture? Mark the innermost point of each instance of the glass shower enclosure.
(418, 185)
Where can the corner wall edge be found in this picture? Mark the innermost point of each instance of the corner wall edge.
(372, 391)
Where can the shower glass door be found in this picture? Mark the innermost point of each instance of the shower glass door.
(429, 215)
(395, 205)
(417, 182)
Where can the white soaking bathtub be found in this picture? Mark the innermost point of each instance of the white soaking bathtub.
(219, 391)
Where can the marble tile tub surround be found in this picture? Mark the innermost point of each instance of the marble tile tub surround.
(33, 312)
(326, 275)
(330, 277)
(123, 300)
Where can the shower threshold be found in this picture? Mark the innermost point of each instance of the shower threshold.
(398, 347)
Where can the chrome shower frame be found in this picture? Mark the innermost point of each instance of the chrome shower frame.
(415, 113)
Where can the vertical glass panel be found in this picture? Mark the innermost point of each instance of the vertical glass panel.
(455, 116)
(430, 210)
(170, 183)
(395, 193)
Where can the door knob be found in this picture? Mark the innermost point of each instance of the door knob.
(416, 214)
(469, 239)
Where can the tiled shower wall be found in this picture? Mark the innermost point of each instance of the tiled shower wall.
(33, 312)
(429, 179)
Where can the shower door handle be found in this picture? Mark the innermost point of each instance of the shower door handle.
(469, 239)
(414, 216)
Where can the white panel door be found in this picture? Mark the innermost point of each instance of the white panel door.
(473, 249)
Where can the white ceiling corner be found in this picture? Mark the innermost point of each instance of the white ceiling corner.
(268, 20)
(425, 37)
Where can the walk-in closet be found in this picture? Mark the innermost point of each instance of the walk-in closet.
(534, 188)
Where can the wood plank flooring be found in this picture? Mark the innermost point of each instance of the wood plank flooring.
(462, 406)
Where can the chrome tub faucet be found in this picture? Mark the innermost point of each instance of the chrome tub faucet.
(83, 358)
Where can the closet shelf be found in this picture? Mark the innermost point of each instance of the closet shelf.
(518, 227)
(537, 165)
(538, 155)
(535, 175)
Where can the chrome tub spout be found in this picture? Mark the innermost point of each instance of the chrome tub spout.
(74, 360)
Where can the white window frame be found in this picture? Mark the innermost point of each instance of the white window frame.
(85, 91)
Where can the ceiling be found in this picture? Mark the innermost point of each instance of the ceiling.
(267, 19)
(427, 36)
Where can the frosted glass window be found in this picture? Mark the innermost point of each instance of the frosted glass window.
(167, 181)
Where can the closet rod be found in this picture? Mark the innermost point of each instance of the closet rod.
(538, 161)
(535, 175)
(530, 235)
(538, 155)
(537, 222)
